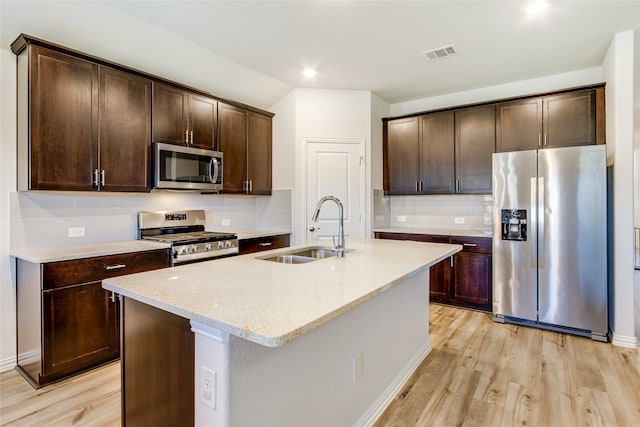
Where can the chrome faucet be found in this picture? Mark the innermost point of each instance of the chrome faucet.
(340, 246)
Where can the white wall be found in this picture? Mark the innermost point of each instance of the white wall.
(619, 74)
(490, 93)
(7, 183)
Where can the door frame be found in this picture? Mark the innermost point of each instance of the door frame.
(363, 183)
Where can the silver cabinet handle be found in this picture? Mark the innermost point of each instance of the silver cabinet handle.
(457, 185)
(95, 177)
(545, 140)
(102, 179)
(191, 136)
(112, 296)
(115, 266)
(539, 141)
(186, 137)
(451, 260)
(265, 244)
(250, 185)
(469, 245)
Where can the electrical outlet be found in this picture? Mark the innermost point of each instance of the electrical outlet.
(208, 387)
(357, 367)
(226, 222)
(402, 218)
(75, 232)
(458, 220)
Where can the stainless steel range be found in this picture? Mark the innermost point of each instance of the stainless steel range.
(184, 231)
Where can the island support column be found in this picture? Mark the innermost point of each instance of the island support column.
(211, 376)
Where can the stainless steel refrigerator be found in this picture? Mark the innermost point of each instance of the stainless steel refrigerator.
(550, 239)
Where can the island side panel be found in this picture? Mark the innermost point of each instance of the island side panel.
(310, 381)
(158, 354)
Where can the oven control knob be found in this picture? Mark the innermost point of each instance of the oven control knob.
(185, 250)
(194, 248)
(228, 244)
(220, 245)
(207, 246)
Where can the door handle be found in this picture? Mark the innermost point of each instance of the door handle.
(312, 229)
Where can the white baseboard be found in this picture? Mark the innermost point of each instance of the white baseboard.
(381, 403)
(7, 363)
(624, 341)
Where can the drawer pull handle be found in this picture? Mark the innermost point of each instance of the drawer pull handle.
(115, 266)
(265, 244)
(470, 245)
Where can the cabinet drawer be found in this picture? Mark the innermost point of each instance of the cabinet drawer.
(429, 238)
(64, 273)
(258, 244)
(473, 244)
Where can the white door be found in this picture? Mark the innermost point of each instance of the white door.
(335, 168)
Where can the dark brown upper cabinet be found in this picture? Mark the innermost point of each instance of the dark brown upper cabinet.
(81, 126)
(437, 156)
(245, 139)
(183, 118)
(401, 167)
(420, 154)
(563, 120)
(259, 152)
(475, 144)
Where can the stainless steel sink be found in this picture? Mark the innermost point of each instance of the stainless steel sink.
(301, 256)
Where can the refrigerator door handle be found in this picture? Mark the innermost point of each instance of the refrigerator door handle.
(540, 221)
(533, 211)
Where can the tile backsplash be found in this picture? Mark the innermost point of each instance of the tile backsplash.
(457, 211)
(43, 219)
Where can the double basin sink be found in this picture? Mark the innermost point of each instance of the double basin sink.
(301, 256)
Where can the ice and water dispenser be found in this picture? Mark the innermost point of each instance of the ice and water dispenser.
(514, 224)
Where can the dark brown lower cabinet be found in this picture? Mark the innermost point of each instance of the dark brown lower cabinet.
(158, 359)
(463, 280)
(66, 322)
(265, 243)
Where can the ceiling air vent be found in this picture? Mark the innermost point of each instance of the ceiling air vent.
(440, 53)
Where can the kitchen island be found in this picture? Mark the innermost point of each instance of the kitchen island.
(328, 342)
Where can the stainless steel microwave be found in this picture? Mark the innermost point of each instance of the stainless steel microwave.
(177, 167)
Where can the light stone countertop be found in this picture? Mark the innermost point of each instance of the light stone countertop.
(62, 253)
(436, 231)
(271, 303)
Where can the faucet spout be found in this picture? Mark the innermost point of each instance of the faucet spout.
(340, 246)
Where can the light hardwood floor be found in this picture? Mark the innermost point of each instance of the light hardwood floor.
(479, 373)
(482, 373)
(88, 399)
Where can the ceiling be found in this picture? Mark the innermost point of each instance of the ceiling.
(377, 45)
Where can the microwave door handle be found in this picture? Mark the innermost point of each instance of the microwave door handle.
(213, 176)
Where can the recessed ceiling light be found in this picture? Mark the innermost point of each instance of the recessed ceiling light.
(309, 72)
(536, 7)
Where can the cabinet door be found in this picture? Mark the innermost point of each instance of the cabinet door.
(401, 173)
(170, 114)
(519, 125)
(203, 120)
(475, 145)
(437, 157)
(259, 154)
(80, 329)
(64, 121)
(570, 119)
(232, 140)
(472, 280)
(125, 131)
